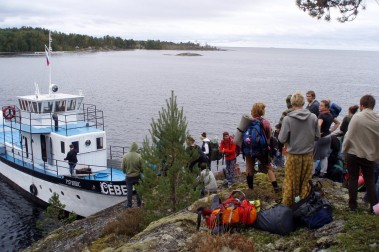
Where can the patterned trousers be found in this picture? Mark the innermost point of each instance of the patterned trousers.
(298, 171)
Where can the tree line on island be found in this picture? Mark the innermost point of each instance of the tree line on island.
(28, 39)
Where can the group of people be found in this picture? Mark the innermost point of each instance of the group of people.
(306, 133)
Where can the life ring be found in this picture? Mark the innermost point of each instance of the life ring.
(33, 189)
(9, 112)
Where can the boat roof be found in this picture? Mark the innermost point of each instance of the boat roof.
(49, 97)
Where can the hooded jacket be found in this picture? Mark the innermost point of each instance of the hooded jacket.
(362, 136)
(132, 162)
(299, 130)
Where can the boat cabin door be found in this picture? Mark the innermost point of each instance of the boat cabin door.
(43, 148)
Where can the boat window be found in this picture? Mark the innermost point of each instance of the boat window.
(71, 104)
(21, 104)
(60, 106)
(99, 142)
(35, 108)
(25, 105)
(79, 103)
(39, 107)
(62, 147)
(30, 107)
(47, 107)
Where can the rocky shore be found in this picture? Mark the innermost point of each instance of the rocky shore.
(350, 231)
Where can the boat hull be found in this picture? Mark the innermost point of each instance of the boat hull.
(82, 201)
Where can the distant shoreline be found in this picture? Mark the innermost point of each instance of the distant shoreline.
(104, 50)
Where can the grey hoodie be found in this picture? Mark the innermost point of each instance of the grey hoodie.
(299, 131)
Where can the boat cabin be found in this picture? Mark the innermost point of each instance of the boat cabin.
(50, 103)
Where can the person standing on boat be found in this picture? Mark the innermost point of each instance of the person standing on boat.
(71, 158)
(132, 165)
(362, 149)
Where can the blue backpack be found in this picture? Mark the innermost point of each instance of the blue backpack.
(254, 140)
(335, 109)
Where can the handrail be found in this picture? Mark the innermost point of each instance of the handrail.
(89, 115)
(58, 164)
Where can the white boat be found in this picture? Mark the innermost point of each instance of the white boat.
(35, 136)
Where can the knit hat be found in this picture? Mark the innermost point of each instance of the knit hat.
(225, 133)
(203, 136)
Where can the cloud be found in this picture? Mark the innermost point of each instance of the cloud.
(218, 22)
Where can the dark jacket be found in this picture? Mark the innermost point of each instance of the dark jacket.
(314, 107)
(71, 156)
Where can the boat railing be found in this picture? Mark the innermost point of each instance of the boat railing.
(117, 152)
(52, 167)
(88, 117)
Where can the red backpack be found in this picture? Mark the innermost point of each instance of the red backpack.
(234, 210)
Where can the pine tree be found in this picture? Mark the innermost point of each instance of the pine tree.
(168, 185)
(55, 215)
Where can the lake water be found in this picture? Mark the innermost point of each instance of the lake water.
(214, 89)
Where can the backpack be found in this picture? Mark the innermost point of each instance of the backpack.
(214, 151)
(254, 140)
(202, 157)
(335, 109)
(233, 211)
(314, 211)
(209, 148)
(276, 220)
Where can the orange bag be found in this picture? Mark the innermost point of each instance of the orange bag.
(234, 210)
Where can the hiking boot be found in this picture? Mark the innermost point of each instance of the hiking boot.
(250, 181)
(277, 189)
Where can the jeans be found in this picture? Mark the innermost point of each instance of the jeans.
(72, 167)
(130, 182)
(230, 170)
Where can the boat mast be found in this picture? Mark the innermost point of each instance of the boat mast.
(48, 51)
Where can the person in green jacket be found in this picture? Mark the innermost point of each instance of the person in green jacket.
(133, 168)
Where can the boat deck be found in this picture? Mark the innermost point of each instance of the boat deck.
(108, 174)
(70, 129)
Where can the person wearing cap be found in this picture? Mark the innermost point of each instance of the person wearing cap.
(228, 149)
(206, 147)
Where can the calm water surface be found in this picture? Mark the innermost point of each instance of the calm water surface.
(215, 90)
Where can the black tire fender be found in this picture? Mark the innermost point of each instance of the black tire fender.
(33, 189)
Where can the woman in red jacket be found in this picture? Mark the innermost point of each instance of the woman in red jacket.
(228, 149)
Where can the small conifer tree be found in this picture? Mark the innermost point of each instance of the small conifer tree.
(55, 216)
(168, 185)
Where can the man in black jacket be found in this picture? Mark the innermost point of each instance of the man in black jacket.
(71, 158)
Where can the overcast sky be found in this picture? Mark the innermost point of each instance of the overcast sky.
(254, 23)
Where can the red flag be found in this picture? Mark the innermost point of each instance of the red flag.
(47, 55)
